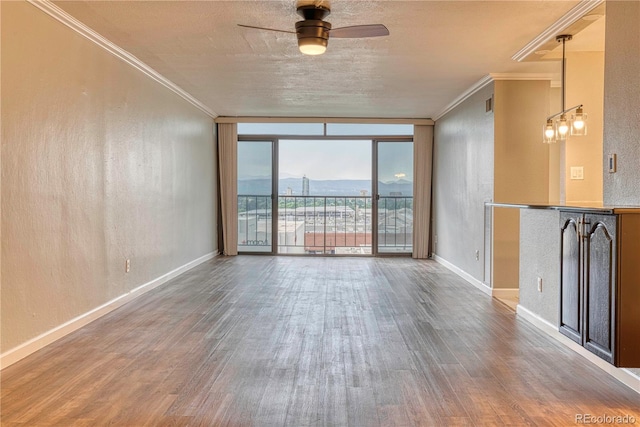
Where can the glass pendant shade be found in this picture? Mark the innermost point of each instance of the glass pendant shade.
(562, 128)
(579, 123)
(549, 133)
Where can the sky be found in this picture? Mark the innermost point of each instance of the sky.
(325, 159)
(320, 160)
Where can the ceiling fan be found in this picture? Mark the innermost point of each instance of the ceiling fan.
(313, 32)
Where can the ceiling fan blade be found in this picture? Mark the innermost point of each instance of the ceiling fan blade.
(359, 31)
(267, 29)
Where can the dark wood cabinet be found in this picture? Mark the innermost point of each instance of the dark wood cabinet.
(600, 284)
(570, 278)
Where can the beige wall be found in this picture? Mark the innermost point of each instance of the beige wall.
(585, 85)
(521, 159)
(521, 163)
(482, 157)
(99, 164)
(557, 155)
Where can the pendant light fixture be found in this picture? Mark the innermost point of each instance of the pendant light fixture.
(558, 127)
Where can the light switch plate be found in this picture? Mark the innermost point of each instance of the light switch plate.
(577, 172)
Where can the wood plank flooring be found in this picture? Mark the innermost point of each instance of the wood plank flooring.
(275, 341)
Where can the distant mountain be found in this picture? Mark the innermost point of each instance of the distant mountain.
(254, 186)
(401, 187)
(289, 175)
(338, 187)
(399, 181)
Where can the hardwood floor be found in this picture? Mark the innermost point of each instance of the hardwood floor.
(272, 341)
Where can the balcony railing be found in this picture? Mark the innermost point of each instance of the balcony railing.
(395, 224)
(254, 223)
(325, 224)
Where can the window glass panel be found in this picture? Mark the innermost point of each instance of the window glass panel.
(395, 205)
(368, 129)
(324, 197)
(254, 167)
(254, 196)
(280, 128)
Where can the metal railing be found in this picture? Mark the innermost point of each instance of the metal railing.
(325, 224)
(395, 224)
(254, 223)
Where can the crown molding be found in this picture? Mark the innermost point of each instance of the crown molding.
(489, 78)
(63, 17)
(581, 9)
(352, 120)
(521, 76)
(465, 95)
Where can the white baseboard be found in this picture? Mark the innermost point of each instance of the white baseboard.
(466, 276)
(23, 350)
(505, 292)
(625, 376)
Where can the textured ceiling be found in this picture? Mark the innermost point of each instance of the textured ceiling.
(436, 50)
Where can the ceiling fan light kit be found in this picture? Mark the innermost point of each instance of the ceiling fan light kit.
(313, 31)
(313, 36)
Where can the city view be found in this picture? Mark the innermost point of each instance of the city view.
(325, 217)
(323, 200)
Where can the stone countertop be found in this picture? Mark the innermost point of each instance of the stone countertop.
(593, 208)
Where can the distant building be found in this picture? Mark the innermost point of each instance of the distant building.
(363, 193)
(327, 243)
(305, 186)
(289, 191)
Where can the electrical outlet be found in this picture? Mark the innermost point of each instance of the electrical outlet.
(435, 239)
(127, 266)
(477, 255)
(539, 284)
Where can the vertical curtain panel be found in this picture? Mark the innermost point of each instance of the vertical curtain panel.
(228, 167)
(422, 162)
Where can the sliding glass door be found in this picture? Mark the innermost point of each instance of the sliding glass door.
(255, 196)
(394, 196)
(325, 196)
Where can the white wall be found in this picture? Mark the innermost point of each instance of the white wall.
(462, 182)
(540, 257)
(99, 164)
(622, 102)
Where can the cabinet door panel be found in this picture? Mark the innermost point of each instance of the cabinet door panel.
(570, 292)
(600, 285)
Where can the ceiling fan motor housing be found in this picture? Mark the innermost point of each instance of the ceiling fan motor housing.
(313, 11)
(313, 32)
